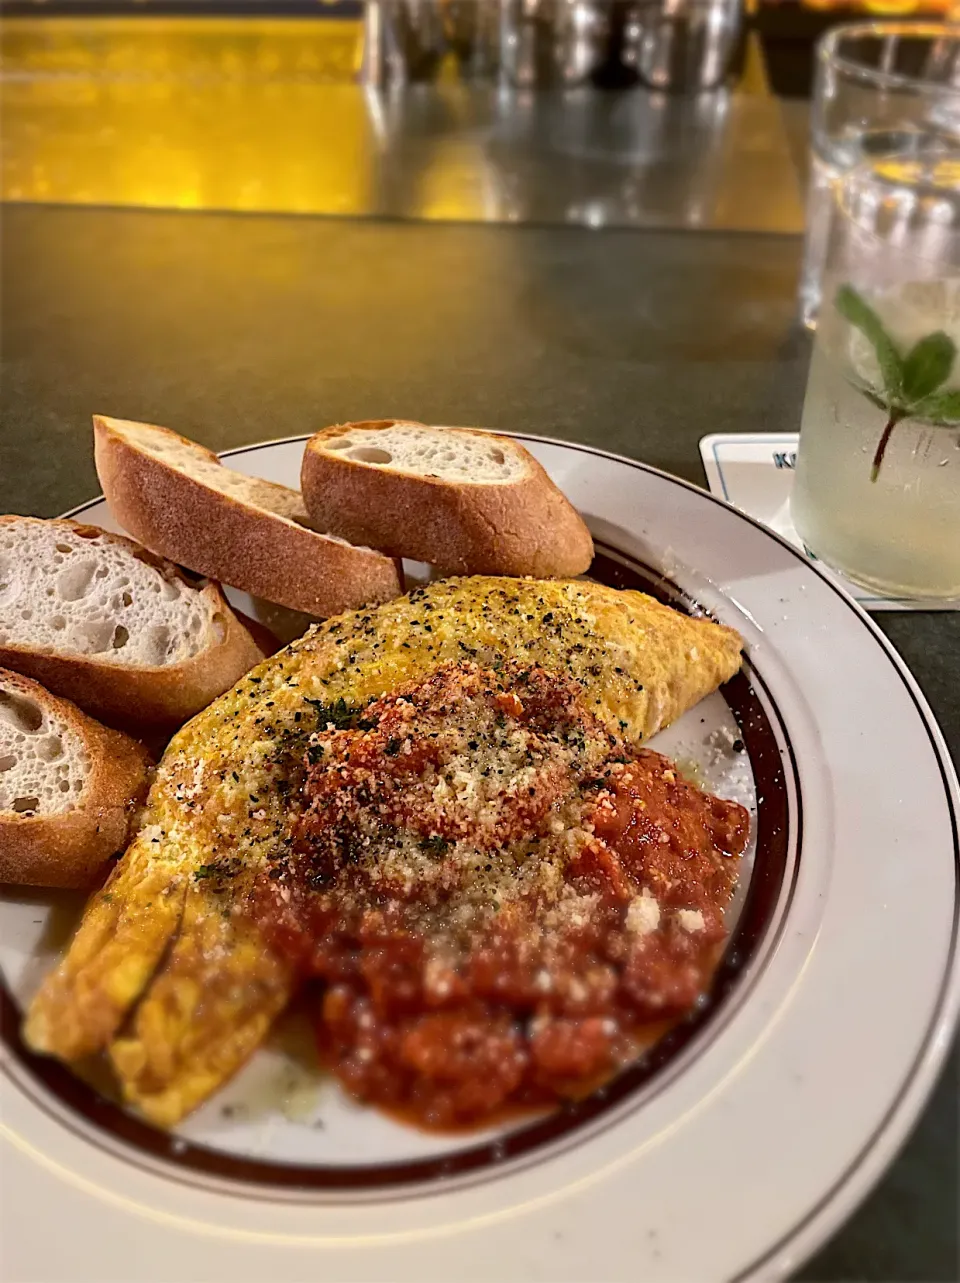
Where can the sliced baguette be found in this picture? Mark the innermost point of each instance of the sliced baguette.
(124, 634)
(466, 501)
(177, 498)
(69, 788)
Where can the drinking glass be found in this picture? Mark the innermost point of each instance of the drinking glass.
(877, 486)
(882, 88)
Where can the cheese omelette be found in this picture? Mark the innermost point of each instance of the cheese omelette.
(166, 972)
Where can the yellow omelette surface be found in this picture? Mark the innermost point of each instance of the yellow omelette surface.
(164, 972)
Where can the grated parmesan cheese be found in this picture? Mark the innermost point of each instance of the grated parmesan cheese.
(691, 920)
(643, 914)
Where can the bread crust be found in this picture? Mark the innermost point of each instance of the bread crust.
(126, 695)
(215, 534)
(522, 527)
(73, 848)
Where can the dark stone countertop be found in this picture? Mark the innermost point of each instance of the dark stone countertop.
(235, 329)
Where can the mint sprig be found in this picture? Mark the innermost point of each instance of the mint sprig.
(854, 308)
(912, 383)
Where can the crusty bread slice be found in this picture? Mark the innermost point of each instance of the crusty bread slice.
(466, 501)
(124, 634)
(68, 788)
(177, 498)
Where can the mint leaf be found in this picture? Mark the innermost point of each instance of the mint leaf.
(942, 408)
(927, 365)
(854, 308)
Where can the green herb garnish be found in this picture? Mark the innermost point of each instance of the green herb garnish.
(225, 867)
(436, 845)
(912, 383)
(338, 713)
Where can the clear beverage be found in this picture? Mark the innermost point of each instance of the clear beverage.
(831, 159)
(881, 88)
(894, 528)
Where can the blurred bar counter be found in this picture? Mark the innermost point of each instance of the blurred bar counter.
(260, 114)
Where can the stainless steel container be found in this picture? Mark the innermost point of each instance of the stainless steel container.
(546, 43)
(403, 41)
(684, 45)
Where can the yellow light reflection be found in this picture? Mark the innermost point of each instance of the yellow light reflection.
(883, 8)
(262, 115)
(200, 113)
(195, 113)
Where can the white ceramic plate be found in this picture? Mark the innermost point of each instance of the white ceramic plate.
(733, 1150)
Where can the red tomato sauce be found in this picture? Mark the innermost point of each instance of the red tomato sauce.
(519, 962)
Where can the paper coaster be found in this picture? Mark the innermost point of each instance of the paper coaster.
(755, 472)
